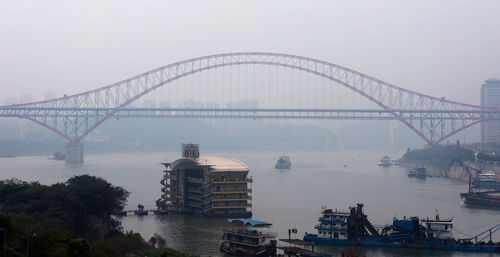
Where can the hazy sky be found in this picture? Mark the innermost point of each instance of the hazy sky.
(441, 48)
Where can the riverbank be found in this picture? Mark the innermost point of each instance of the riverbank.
(458, 172)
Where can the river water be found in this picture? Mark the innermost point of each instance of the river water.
(288, 199)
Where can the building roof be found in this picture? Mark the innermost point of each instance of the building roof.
(215, 163)
(221, 163)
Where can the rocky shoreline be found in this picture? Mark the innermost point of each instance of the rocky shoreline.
(458, 172)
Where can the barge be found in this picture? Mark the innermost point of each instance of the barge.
(353, 228)
(481, 193)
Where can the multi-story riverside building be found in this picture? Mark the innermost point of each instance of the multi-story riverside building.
(490, 97)
(208, 185)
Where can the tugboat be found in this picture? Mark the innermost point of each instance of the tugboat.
(248, 239)
(354, 229)
(385, 161)
(283, 163)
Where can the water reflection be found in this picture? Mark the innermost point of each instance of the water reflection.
(291, 198)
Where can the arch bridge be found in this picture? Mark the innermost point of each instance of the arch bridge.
(74, 117)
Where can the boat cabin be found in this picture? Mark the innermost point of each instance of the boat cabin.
(333, 224)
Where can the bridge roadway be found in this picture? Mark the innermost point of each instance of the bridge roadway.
(253, 113)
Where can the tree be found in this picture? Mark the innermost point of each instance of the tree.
(157, 241)
(78, 247)
(96, 195)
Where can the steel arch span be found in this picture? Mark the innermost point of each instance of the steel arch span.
(74, 117)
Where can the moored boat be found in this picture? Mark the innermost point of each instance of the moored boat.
(486, 199)
(482, 191)
(354, 229)
(247, 238)
(417, 173)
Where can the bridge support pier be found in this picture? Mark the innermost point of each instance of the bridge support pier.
(74, 153)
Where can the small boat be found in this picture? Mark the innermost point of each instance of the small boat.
(283, 163)
(247, 238)
(354, 229)
(385, 161)
(417, 173)
(60, 156)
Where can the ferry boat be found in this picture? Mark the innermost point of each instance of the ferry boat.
(283, 163)
(248, 238)
(385, 161)
(354, 229)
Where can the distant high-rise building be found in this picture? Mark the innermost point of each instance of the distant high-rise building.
(490, 97)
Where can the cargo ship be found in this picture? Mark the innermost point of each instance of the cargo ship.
(352, 228)
(283, 163)
(248, 238)
(486, 179)
(482, 191)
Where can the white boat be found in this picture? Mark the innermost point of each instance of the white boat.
(486, 176)
(385, 161)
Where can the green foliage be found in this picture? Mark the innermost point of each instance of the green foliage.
(58, 220)
(127, 243)
(441, 156)
(71, 205)
(98, 197)
(157, 241)
(78, 247)
(43, 242)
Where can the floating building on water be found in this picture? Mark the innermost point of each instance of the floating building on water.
(208, 185)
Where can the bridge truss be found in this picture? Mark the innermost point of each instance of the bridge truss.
(74, 117)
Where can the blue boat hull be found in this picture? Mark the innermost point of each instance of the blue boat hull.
(374, 242)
